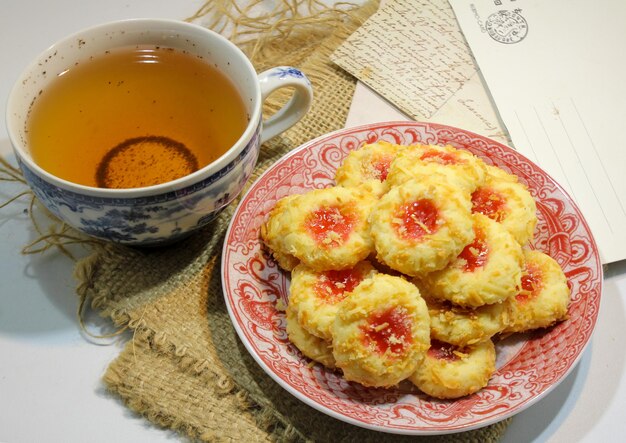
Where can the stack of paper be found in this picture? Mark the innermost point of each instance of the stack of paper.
(554, 70)
(412, 53)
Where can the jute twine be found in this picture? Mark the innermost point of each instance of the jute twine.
(185, 368)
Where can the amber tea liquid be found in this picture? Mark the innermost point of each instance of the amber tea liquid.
(134, 117)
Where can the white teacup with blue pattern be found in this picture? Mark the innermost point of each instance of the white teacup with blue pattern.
(161, 213)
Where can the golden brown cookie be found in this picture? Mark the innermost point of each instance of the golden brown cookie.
(448, 371)
(420, 161)
(420, 226)
(488, 270)
(381, 331)
(367, 167)
(544, 295)
(315, 296)
(323, 228)
(507, 201)
(313, 347)
(461, 326)
(496, 173)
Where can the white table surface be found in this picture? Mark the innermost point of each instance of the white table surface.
(50, 373)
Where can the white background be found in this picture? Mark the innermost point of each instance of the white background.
(50, 373)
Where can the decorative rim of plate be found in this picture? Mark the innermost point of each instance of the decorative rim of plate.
(252, 287)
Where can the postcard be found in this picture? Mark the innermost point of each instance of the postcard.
(555, 71)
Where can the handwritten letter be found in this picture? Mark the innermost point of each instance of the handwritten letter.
(413, 54)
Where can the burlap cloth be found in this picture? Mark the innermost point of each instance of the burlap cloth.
(185, 367)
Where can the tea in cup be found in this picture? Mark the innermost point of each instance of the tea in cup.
(141, 131)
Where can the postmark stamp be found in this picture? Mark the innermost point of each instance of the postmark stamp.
(507, 27)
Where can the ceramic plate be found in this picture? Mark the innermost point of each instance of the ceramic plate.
(528, 366)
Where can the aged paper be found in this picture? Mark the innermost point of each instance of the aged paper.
(413, 54)
(471, 108)
(418, 45)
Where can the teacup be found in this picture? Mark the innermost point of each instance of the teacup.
(164, 212)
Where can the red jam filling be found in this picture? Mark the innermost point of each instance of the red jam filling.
(332, 286)
(489, 203)
(443, 158)
(380, 168)
(331, 225)
(443, 351)
(532, 283)
(388, 331)
(417, 219)
(476, 253)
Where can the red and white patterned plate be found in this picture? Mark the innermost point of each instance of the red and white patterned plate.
(528, 366)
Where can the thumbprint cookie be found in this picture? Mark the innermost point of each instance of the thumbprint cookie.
(420, 226)
(461, 326)
(449, 371)
(313, 347)
(323, 228)
(544, 295)
(381, 331)
(419, 161)
(315, 296)
(368, 167)
(496, 173)
(488, 270)
(509, 203)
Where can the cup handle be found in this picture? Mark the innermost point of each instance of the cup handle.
(295, 108)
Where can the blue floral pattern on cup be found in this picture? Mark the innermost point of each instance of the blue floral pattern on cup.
(288, 71)
(163, 213)
(149, 220)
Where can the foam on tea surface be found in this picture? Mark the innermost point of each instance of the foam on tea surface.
(134, 117)
(145, 161)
